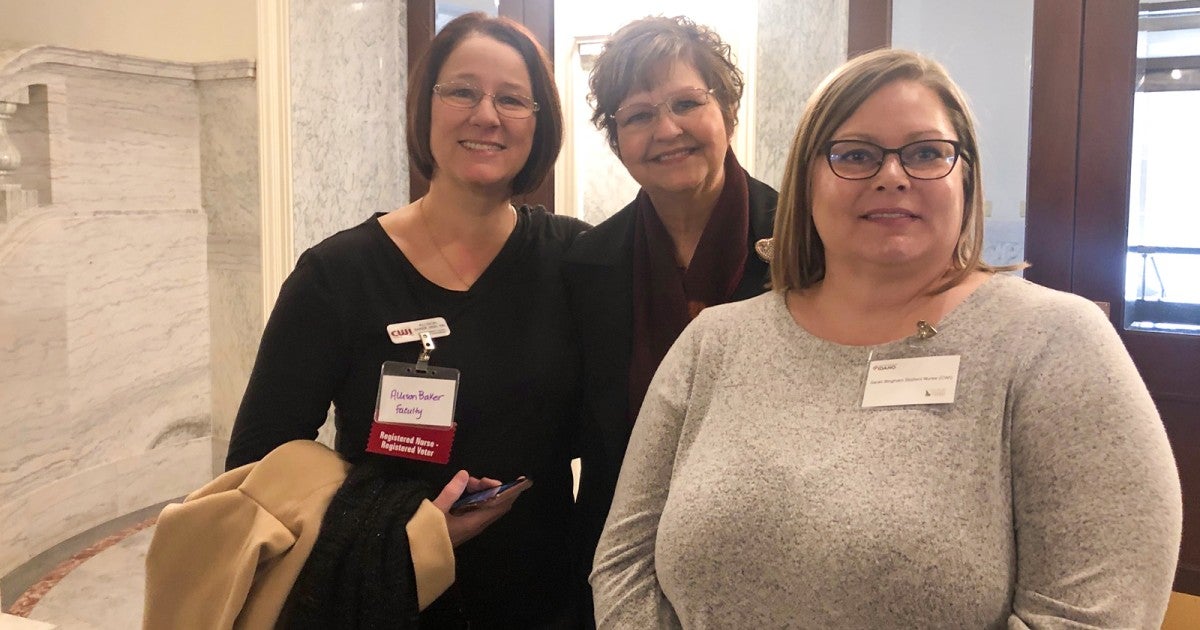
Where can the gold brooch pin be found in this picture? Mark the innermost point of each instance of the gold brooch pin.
(765, 248)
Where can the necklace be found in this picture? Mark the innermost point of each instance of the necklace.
(438, 248)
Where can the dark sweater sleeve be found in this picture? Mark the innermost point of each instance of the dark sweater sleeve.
(301, 360)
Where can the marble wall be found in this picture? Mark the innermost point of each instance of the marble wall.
(798, 44)
(348, 82)
(105, 353)
(230, 196)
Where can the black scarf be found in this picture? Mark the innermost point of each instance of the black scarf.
(359, 575)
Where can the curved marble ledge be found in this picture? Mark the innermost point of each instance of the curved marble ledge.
(108, 79)
(17, 59)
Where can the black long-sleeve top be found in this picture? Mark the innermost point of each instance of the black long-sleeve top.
(510, 338)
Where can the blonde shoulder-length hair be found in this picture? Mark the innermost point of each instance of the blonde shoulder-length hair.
(798, 258)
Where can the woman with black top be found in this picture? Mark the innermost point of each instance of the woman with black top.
(484, 124)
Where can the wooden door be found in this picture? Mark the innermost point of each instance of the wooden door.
(1085, 74)
(1085, 69)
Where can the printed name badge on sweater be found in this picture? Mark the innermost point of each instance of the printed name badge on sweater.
(917, 381)
(414, 412)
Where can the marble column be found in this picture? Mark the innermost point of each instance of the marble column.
(798, 44)
(348, 63)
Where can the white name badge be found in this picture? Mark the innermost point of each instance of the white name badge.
(411, 331)
(412, 400)
(919, 381)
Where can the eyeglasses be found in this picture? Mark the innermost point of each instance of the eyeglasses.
(467, 96)
(923, 159)
(639, 116)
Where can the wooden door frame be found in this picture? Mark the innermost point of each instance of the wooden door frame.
(1079, 152)
(869, 27)
(1108, 75)
(1053, 142)
(536, 15)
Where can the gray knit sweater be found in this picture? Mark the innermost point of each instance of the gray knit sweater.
(757, 493)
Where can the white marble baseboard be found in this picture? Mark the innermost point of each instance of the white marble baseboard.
(57, 511)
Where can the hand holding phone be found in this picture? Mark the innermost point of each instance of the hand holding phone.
(484, 501)
(475, 500)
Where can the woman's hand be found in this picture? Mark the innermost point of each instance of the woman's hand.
(467, 525)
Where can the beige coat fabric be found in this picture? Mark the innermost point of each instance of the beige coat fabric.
(227, 556)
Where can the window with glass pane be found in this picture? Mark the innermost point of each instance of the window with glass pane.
(1162, 279)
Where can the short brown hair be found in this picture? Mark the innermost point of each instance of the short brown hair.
(547, 135)
(636, 55)
(798, 260)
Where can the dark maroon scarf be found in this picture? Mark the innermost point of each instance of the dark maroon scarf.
(665, 297)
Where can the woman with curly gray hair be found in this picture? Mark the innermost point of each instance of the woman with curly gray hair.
(665, 93)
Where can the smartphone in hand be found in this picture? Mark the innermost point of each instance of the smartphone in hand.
(476, 500)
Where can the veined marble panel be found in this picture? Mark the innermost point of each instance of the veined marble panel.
(798, 44)
(105, 376)
(138, 333)
(235, 303)
(229, 156)
(110, 353)
(133, 143)
(93, 496)
(229, 170)
(33, 361)
(162, 473)
(348, 81)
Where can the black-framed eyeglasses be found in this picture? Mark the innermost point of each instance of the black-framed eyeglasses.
(638, 116)
(467, 96)
(923, 159)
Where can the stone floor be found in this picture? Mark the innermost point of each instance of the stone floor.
(99, 587)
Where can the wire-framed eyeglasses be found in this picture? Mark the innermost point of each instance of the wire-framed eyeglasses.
(466, 96)
(638, 116)
(923, 159)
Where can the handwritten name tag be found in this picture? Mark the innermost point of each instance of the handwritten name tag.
(408, 400)
(918, 381)
(414, 414)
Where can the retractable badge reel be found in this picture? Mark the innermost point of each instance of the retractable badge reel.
(414, 413)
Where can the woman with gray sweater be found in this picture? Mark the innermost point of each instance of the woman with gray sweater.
(898, 435)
